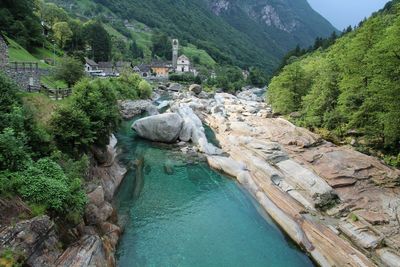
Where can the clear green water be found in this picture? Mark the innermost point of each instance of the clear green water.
(185, 214)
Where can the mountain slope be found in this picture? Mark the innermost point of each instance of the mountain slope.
(352, 89)
(244, 33)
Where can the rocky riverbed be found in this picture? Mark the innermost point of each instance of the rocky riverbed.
(339, 205)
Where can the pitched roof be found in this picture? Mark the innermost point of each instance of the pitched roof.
(107, 65)
(90, 62)
(160, 64)
(183, 57)
(120, 64)
(143, 68)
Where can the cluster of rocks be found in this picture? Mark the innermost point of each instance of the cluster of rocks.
(340, 205)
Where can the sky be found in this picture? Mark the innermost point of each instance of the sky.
(342, 13)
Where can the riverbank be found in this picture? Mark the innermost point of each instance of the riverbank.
(341, 206)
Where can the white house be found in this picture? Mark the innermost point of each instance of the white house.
(91, 66)
(183, 64)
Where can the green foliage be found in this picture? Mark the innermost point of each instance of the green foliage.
(99, 41)
(353, 86)
(62, 33)
(257, 77)
(18, 21)
(72, 131)
(135, 50)
(184, 77)
(44, 182)
(13, 151)
(69, 70)
(162, 46)
(145, 89)
(229, 79)
(52, 14)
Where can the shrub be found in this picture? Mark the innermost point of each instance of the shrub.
(45, 183)
(72, 130)
(13, 152)
(145, 90)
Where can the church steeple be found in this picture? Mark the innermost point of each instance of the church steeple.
(175, 52)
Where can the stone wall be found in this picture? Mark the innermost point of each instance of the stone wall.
(26, 75)
(3, 53)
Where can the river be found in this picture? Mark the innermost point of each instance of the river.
(179, 212)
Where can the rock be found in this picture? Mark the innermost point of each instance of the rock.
(96, 215)
(96, 197)
(322, 194)
(152, 110)
(35, 241)
(163, 104)
(160, 128)
(131, 108)
(176, 87)
(374, 218)
(88, 252)
(193, 130)
(195, 88)
(360, 234)
(389, 257)
(226, 165)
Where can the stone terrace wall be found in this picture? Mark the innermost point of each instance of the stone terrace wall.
(3, 53)
(26, 75)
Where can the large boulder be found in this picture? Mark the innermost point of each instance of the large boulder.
(176, 87)
(160, 128)
(131, 108)
(195, 88)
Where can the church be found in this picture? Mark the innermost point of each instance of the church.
(182, 63)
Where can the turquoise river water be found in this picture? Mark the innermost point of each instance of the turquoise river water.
(179, 212)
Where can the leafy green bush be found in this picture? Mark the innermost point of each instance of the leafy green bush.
(99, 102)
(45, 183)
(13, 152)
(72, 130)
(145, 90)
(185, 77)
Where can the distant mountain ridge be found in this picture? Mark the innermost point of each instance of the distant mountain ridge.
(240, 32)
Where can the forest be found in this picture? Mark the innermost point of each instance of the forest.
(350, 91)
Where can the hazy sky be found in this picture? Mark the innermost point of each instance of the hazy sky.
(342, 13)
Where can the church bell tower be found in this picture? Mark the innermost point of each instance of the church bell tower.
(175, 51)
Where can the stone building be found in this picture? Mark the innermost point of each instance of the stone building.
(3, 52)
(183, 64)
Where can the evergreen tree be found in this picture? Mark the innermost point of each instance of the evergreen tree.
(99, 41)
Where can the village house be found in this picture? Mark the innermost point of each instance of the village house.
(143, 70)
(160, 69)
(106, 69)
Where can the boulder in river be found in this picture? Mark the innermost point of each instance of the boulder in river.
(160, 128)
(176, 87)
(195, 88)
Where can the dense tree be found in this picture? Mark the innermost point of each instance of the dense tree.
(69, 70)
(62, 33)
(135, 51)
(257, 77)
(52, 14)
(99, 41)
(353, 86)
(162, 46)
(18, 21)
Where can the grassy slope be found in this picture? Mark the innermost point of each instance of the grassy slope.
(18, 53)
